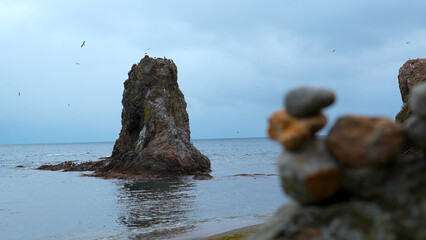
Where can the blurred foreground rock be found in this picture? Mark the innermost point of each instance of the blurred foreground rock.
(359, 185)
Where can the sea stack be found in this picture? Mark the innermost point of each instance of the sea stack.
(155, 135)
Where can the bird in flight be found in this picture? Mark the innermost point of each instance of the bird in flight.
(407, 42)
(333, 50)
(84, 43)
(68, 104)
(19, 94)
(77, 63)
(147, 49)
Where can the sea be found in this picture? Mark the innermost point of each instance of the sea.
(35, 204)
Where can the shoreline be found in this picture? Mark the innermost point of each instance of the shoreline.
(241, 230)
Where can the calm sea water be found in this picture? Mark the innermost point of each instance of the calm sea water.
(64, 205)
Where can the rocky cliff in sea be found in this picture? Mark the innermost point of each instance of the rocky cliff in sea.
(155, 135)
(358, 182)
(155, 138)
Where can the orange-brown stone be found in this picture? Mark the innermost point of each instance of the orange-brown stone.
(293, 132)
(323, 183)
(362, 141)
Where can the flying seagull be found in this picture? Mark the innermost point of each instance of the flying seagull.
(84, 43)
(333, 50)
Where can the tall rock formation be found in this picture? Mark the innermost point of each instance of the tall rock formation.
(155, 135)
(155, 139)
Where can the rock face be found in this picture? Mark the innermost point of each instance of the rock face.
(411, 73)
(155, 135)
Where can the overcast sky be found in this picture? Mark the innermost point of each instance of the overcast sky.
(235, 59)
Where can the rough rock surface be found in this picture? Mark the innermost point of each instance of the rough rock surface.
(310, 174)
(294, 132)
(155, 136)
(411, 73)
(396, 210)
(358, 141)
(307, 101)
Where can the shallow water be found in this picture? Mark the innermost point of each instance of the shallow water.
(63, 205)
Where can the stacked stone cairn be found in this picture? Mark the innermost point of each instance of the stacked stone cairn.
(314, 169)
(364, 180)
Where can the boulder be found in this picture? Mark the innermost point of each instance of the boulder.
(307, 101)
(358, 141)
(309, 175)
(294, 132)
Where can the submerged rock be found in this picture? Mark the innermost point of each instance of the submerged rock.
(307, 101)
(155, 135)
(358, 141)
(294, 132)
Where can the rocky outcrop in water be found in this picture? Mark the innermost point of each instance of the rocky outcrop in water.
(356, 183)
(155, 135)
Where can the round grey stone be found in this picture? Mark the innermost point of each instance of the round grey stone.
(311, 174)
(307, 101)
(415, 126)
(417, 99)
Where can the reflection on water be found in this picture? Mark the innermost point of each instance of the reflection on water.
(156, 207)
